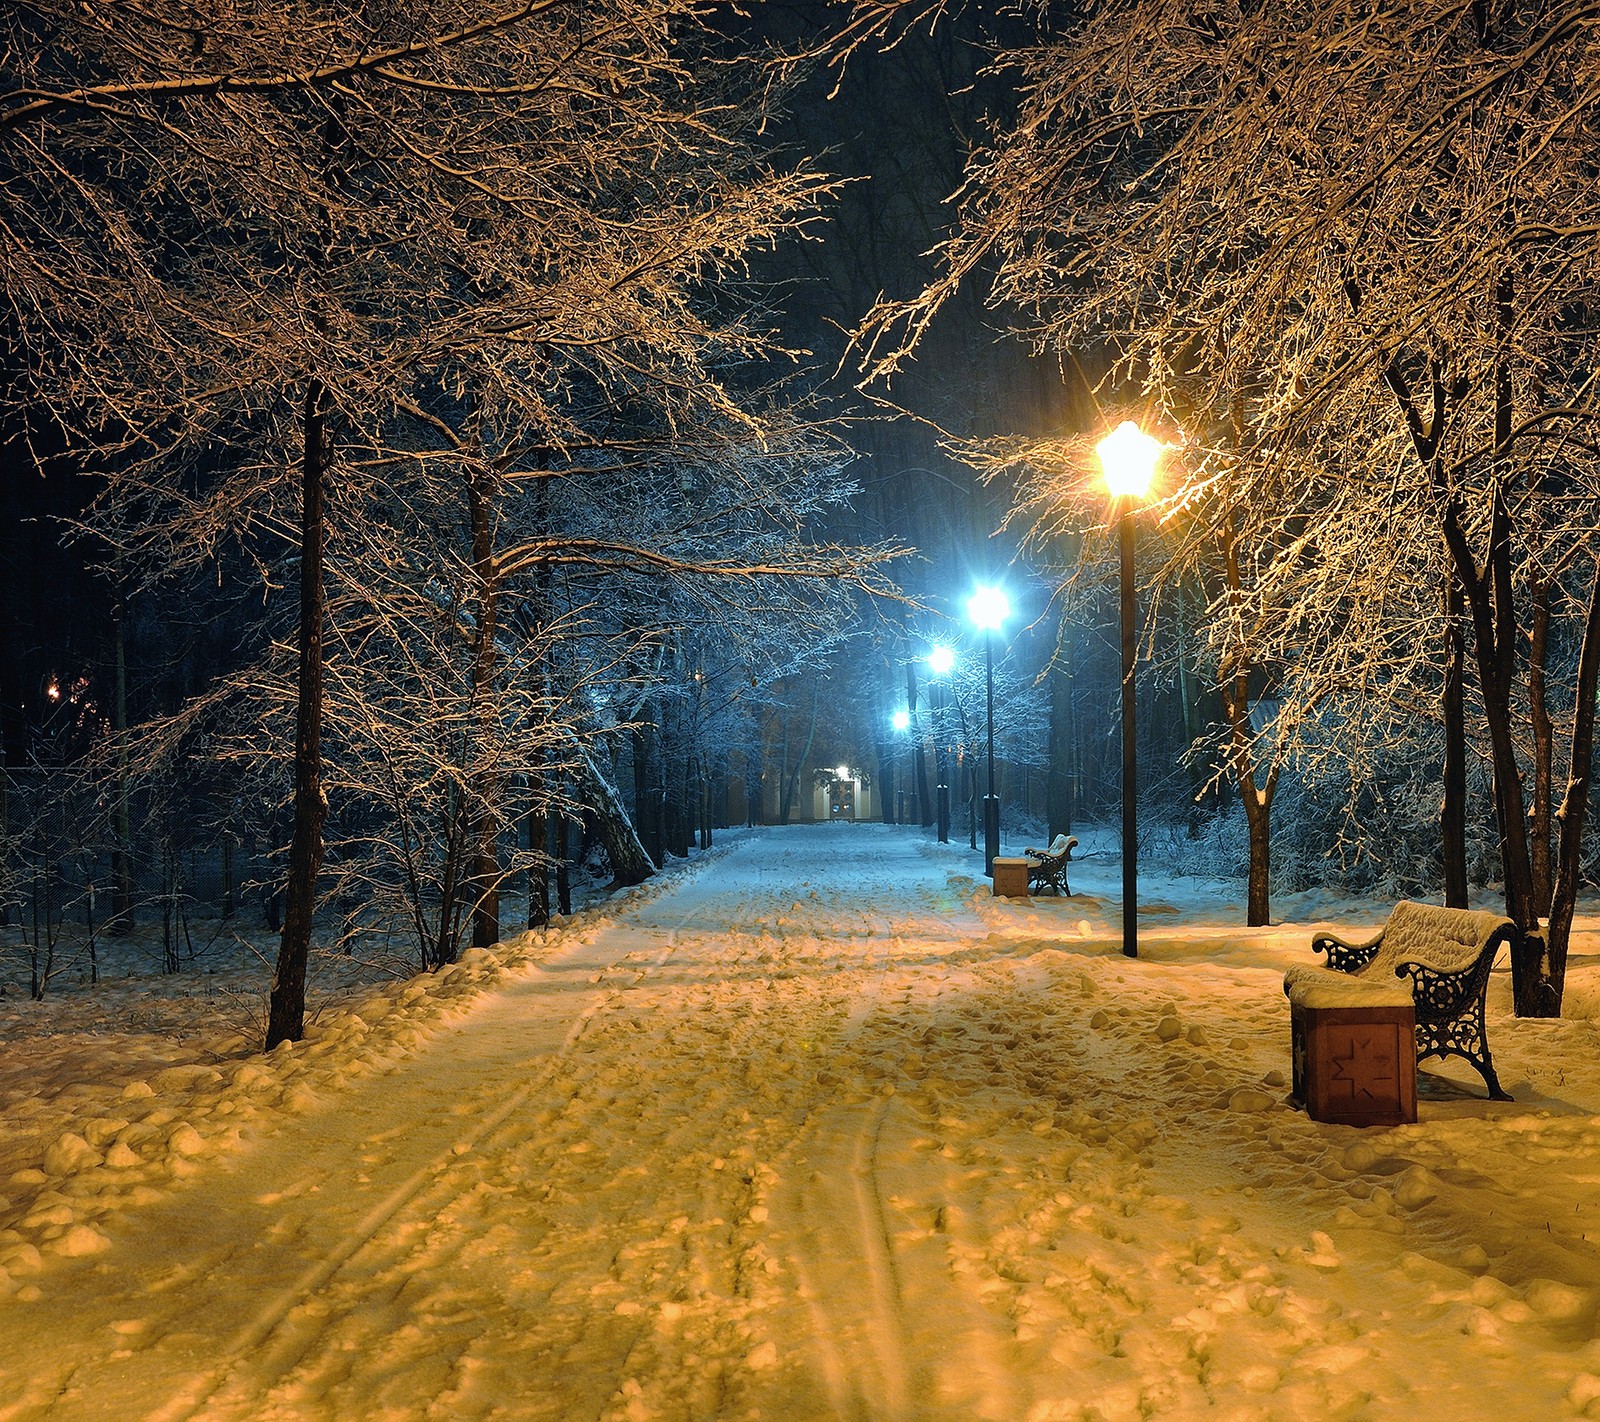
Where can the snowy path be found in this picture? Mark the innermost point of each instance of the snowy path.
(822, 1133)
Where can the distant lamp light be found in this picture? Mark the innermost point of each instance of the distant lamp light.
(842, 772)
(941, 660)
(1129, 457)
(988, 608)
(901, 719)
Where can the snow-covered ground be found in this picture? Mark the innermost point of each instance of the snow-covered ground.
(816, 1130)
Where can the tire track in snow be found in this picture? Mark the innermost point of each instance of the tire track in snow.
(876, 1386)
(428, 1189)
(639, 1357)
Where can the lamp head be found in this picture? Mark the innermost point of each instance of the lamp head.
(988, 608)
(1129, 457)
(901, 719)
(941, 660)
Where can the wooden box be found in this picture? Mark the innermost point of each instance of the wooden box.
(1011, 877)
(1355, 1066)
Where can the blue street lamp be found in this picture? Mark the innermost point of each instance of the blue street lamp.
(941, 662)
(901, 721)
(1128, 455)
(987, 610)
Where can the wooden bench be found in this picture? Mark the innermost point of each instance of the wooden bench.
(1446, 954)
(1047, 868)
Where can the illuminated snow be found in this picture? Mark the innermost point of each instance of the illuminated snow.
(817, 1130)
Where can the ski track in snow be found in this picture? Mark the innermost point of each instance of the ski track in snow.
(821, 1131)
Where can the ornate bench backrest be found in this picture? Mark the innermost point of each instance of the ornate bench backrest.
(1446, 938)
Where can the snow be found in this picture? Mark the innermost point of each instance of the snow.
(819, 1129)
(1309, 986)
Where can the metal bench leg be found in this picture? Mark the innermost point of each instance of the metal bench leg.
(1496, 1091)
(1483, 1065)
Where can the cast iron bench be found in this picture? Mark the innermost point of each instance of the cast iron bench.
(1047, 868)
(1446, 953)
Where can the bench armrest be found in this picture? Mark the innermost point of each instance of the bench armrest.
(1058, 856)
(1345, 956)
(1443, 988)
(1434, 966)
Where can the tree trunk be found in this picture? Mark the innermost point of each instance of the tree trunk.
(1187, 687)
(1258, 818)
(1059, 806)
(646, 803)
(122, 850)
(1257, 806)
(630, 864)
(287, 1006)
(1550, 967)
(972, 803)
(485, 788)
(1453, 808)
(1256, 794)
(705, 805)
(919, 758)
(538, 871)
(1543, 734)
(561, 852)
(1489, 596)
(792, 776)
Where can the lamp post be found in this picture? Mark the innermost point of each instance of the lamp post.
(941, 660)
(901, 721)
(1128, 456)
(987, 609)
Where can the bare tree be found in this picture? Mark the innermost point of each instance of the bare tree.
(335, 263)
(1373, 237)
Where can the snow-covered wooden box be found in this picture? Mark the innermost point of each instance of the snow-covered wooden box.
(1011, 877)
(1353, 1041)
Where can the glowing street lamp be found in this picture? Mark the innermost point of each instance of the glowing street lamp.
(896, 797)
(941, 662)
(987, 610)
(1129, 457)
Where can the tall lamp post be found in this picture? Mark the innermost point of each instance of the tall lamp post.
(987, 609)
(1128, 456)
(941, 660)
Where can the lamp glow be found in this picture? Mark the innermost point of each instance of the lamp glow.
(941, 660)
(1129, 457)
(988, 608)
(901, 719)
